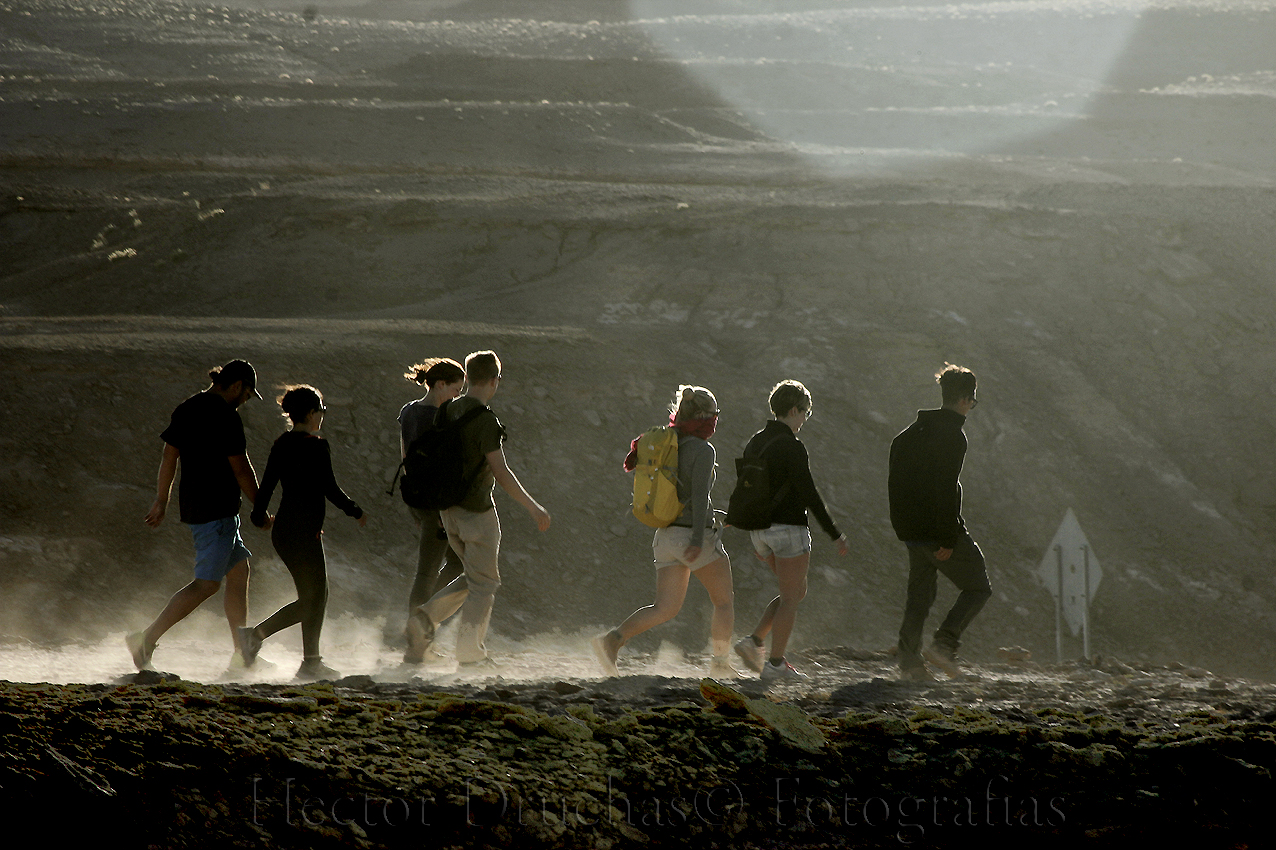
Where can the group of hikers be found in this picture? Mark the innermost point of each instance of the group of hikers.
(453, 428)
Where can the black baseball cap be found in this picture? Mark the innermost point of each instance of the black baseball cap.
(238, 370)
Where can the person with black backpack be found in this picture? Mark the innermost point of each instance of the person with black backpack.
(437, 564)
(774, 490)
(466, 455)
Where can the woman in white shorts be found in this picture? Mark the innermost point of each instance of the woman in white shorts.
(691, 544)
(786, 545)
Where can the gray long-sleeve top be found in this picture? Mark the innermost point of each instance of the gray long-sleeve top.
(697, 470)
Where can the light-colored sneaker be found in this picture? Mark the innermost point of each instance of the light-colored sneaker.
(945, 660)
(606, 648)
(314, 670)
(720, 668)
(916, 674)
(785, 672)
(249, 644)
(750, 653)
(485, 666)
(136, 643)
(420, 636)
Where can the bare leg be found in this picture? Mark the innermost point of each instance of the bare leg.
(791, 575)
(235, 601)
(768, 616)
(182, 603)
(716, 578)
(671, 590)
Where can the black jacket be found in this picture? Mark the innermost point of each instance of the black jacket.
(788, 463)
(303, 464)
(925, 495)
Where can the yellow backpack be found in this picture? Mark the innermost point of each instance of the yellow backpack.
(656, 477)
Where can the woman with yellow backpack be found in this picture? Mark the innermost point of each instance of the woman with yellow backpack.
(690, 543)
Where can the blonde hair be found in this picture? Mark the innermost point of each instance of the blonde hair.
(692, 402)
(435, 369)
(482, 366)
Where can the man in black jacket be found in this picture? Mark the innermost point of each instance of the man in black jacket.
(925, 500)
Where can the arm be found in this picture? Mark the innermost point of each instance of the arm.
(269, 480)
(247, 478)
(701, 482)
(948, 463)
(334, 492)
(163, 486)
(510, 484)
(804, 484)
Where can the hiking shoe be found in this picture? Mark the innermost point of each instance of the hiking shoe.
(750, 653)
(720, 668)
(606, 648)
(785, 672)
(313, 670)
(136, 643)
(249, 644)
(944, 659)
(420, 636)
(915, 674)
(487, 664)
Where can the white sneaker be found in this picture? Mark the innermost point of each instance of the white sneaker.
(606, 648)
(720, 668)
(785, 672)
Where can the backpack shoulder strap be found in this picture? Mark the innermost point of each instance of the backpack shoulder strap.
(761, 450)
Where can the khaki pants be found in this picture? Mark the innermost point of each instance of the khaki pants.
(476, 538)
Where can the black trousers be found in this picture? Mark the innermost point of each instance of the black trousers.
(436, 564)
(964, 568)
(302, 553)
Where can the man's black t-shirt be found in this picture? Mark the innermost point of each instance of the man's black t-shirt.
(208, 432)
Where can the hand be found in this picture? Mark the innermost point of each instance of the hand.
(362, 520)
(541, 516)
(691, 554)
(942, 554)
(156, 514)
(842, 545)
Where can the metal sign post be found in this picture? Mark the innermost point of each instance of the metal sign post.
(1072, 576)
(1058, 607)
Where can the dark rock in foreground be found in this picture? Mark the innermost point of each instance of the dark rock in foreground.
(1005, 756)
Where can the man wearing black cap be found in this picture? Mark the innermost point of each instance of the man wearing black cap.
(206, 436)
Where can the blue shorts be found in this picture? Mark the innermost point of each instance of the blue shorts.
(218, 547)
(783, 541)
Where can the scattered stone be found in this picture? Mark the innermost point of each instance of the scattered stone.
(1014, 654)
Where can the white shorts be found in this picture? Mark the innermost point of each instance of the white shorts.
(670, 542)
(782, 541)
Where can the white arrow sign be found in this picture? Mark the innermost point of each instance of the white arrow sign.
(1071, 573)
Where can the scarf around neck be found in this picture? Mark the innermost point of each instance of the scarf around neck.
(702, 428)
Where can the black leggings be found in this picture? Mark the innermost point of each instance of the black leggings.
(302, 554)
(436, 563)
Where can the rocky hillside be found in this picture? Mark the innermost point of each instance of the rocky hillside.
(157, 220)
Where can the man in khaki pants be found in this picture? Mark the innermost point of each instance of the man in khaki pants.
(473, 528)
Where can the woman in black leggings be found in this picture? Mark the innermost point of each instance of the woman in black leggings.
(301, 461)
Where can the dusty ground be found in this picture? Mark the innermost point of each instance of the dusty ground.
(1003, 755)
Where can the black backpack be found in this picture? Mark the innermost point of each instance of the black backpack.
(752, 501)
(432, 475)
